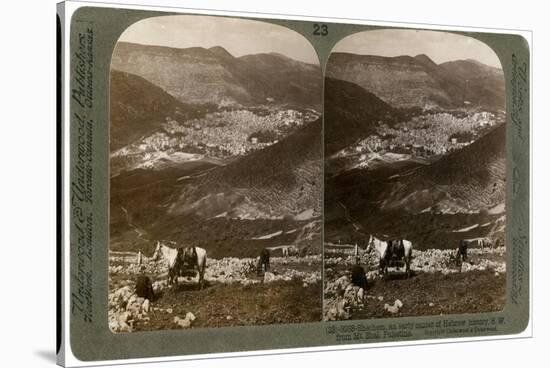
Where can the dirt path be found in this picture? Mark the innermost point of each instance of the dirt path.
(436, 293)
(221, 305)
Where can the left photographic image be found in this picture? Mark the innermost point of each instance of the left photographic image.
(215, 175)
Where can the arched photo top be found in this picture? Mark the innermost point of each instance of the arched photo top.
(440, 46)
(408, 67)
(238, 36)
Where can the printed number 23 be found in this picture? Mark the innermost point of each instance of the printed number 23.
(320, 30)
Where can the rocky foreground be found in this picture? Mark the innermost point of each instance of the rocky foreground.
(128, 313)
(483, 273)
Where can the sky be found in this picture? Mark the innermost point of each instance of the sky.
(439, 46)
(238, 36)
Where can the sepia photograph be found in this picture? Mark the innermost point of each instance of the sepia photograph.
(215, 175)
(415, 176)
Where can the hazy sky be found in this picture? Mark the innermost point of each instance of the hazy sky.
(238, 36)
(439, 46)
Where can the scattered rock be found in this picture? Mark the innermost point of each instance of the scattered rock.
(336, 309)
(391, 308)
(146, 306)
(361, 294)
(269, 277)
(185, 322)
(126, 307)
(398, 303)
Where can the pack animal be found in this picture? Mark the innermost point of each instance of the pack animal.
(193, 259)
(462, 251)
(170, 255)
(182, 260)
(263, 261)
(391, 252)
(461, 254)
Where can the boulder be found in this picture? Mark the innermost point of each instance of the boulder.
(361, 294)
(185, 322)
(391, 308)
(336, 310)
(146, 306)
(398, 303)
(269, 277)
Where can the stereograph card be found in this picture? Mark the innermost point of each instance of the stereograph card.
(236, 183)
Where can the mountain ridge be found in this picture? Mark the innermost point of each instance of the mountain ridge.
(406, 81)
(200, 75)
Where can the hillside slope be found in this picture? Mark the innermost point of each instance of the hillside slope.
(279, 181)
(471, 179)
(351, 113)
(138, 108)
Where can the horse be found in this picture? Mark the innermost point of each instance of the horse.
(171, 256)
(180, 260)
(263, 261)
(194, 258)
(391, 249)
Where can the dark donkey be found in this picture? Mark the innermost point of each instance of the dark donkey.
(263, 261)
(461, 254)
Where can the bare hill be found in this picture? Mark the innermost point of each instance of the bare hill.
(138, 108)
(406, 81)
(199, 75)
(279, 181)
(470, 179)
(351, 113)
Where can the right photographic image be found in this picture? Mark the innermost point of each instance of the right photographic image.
(415, 176)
